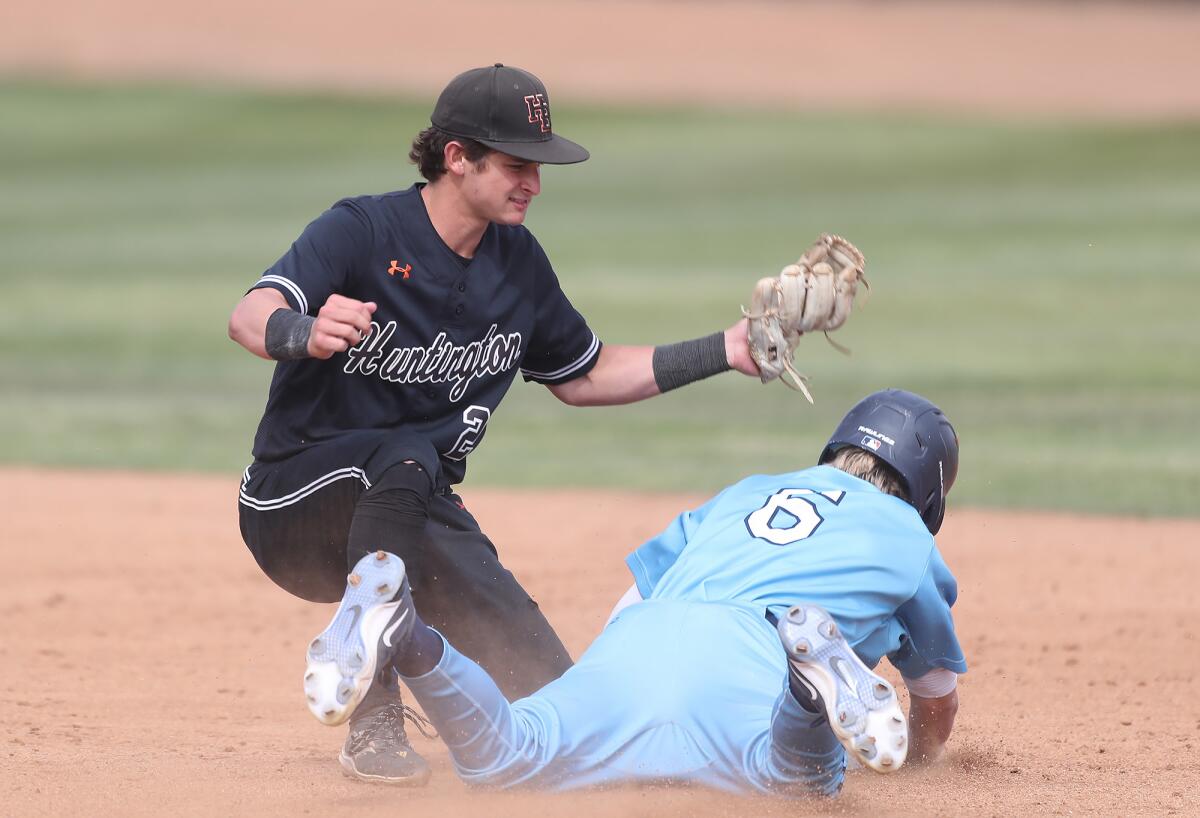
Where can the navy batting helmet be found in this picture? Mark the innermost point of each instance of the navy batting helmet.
(912, 436)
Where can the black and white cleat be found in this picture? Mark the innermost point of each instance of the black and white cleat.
(862, 708)
(376, 616)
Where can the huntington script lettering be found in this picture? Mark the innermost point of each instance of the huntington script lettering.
(441, 362)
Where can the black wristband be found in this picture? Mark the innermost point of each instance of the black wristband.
(677, 365)
(287, 334)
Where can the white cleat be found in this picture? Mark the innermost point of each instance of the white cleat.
(862, 708)
(376, 615)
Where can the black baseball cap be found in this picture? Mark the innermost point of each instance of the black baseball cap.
(506, 109)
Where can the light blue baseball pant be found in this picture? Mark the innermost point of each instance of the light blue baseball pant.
(682, 691)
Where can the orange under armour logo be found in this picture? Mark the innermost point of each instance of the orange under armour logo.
(396, 268)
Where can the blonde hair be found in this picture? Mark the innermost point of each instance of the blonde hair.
(866, 466)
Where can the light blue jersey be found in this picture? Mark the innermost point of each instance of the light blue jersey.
(821, 536)
(690, 685)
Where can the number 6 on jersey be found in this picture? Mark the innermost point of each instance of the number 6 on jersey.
(790, 515)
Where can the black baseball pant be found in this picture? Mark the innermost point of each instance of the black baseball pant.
(296, 518)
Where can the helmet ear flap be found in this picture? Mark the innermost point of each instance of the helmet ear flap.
(935, 511)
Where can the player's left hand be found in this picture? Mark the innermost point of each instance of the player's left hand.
(737, 349)
(816, 294)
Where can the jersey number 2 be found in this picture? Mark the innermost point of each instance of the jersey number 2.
(474, 418)
(790, 515)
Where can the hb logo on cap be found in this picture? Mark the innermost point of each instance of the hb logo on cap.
(539, 111)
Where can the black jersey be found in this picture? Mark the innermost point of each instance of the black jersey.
(446, 340)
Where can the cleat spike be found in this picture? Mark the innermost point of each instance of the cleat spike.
(861, 707)
(372, 616)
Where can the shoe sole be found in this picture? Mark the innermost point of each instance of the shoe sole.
(343, 659)
(863, 709)
(348, 769)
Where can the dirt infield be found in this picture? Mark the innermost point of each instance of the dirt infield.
(1078, 58)
(150, 669)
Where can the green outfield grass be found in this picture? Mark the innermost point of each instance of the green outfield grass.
(1039, 281)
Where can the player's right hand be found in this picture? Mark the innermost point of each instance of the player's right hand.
(341, 323)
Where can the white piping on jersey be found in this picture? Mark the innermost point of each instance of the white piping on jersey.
(291, 287)
(299, 494)
(578, 363)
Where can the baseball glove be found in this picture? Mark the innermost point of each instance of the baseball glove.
(814, 294)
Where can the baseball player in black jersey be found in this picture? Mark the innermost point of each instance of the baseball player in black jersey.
(398, 322)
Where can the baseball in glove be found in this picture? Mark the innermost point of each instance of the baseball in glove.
(814, 294)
